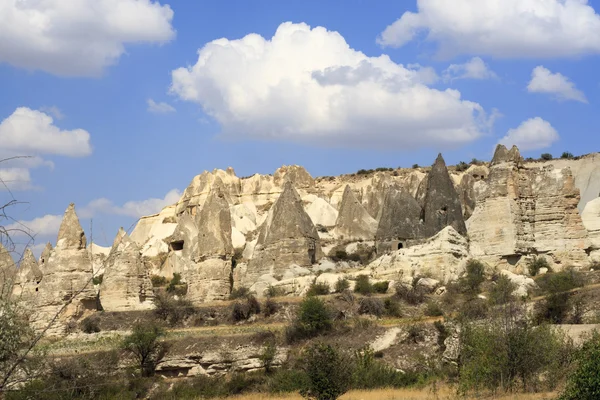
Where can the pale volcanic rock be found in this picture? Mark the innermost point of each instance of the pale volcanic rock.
(354, 222)
(287, 237)
(126, 284)
(441, 257)
(197, 192)
(523, 284)
(524, 210)
(238, 240)
(244, 217)
(98, 254)
(322, 213)
(591, 220)
(28, 276)
(471, 186)
(400, 216)
(209, 278)
(298, 176)
(67, 277)
(442, 205)
(45, 255)
(8, 272)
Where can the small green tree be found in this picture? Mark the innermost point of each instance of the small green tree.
(341, 285)
(536, 264)
(502, 291)
(329, 373)
(546, 156)
(146, 345)
(313, 318)
(567, 155)
(363, 285)
(462, 166)
(268, 355)
(474, 277)
(584, 382)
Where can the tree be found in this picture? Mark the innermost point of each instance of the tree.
(146, 346)
(329, 373)
(584, 382)
(546, 156)
(473, 278)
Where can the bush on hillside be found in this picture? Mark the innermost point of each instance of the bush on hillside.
(475, 275)
(318, 289)
(371, 306)
(172, 310)
(239, 293)
(502, 291)
(381, 287)
(341, 285)
(363, 285)
(584, 382)
(242, 311)
(413, 295)
(329, 372)
(536, 264)
(313, 319)
(546, 156)
(567, 155)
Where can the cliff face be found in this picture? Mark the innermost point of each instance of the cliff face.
(286, 229)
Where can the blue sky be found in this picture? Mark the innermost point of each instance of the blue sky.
(292, 94)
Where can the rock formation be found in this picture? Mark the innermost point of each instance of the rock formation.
(442, 206)
(591, 221)
(210, 277)
(67, 277)
(28, 276)
(322, 213)
(7, 272)
(45, 255)
(441, 257)
(524, 211)
(126, 284)
(353, 221)
(287, 237)
(400, 220)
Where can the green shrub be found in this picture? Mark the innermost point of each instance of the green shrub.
(546, 156)
(329, 373)
(318, 289)
(363, 285)
(314, 318)
(433, 309)
(536, 264)
(381, 287)
(369, 373)
(270, 307)
(443, 334)
(268, 355)
(567, 155)
(413, 295)
(145, 345)
(371, 306)
(584, 382)
(473, 309)
(558, 282)
(97, 280)
(239, 293)
(158, 280)
(287, 381)
(172, 310)
(415, 333)
(273, 291)
(502, 291)
(475, 275)
(415, 166)
(462, 166)
(392, 307)
(242, 311)
(341, 285)
(553, 308)
(90, 324)
(174, 283)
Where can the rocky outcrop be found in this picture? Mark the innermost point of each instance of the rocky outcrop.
(322, 213)
(353, 221)
(67, 277)
(527, 211)
(441, 206)
(7, 272)
(441, 257)
(296, 175)
(45, 255)
(400, 219)
(209, 278)
(98, 254)
(126, 284)
(471, 186)
(591, 221)
(28, 276)
(287, 237)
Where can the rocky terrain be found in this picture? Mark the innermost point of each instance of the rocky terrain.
(287, 230)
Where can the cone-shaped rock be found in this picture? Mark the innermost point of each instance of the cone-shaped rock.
(45, 255)
(514, 155)
(28, 276)
(400, 217)
(214, 226)
(287, 237)
(70, 234)
(353, 221)
(442, 205)
(67, 275)
(500, 155)
(7, 272)
(126, 284)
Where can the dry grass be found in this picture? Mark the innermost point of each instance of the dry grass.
(405, 394)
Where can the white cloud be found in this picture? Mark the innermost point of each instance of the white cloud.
(501, 28)
(544, 81)
(15, 179)
(47, 225)
(475, 68)
(160, 107)
(533, 134)
(134, 209)
(78, 37)
(54, 111)
(28, 132)
(308, 85)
